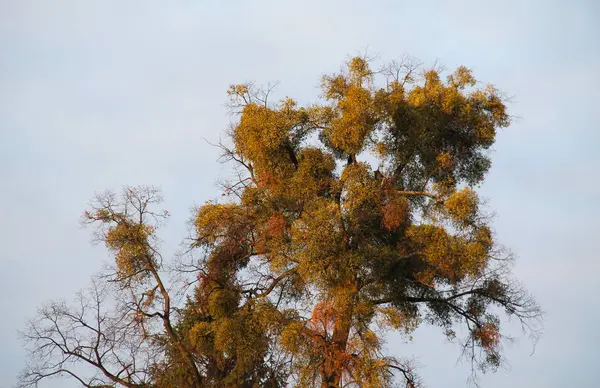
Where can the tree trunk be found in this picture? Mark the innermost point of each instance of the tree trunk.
(333, 367)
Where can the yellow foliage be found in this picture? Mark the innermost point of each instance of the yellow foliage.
(335, 87)
(451, 257)
(360, 188)
(226, 335)
(483, 235)
(130, 243)
(461, 78)
(444, 161)
(293, 337)
(218, 221)
(222, 302)
(200, 337)
(261, 131)
(238, 90)
(462, 206)
(356, 121)
(317, 237)
(314, 175)
(359, 70)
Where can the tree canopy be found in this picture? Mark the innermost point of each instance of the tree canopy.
(350, 218)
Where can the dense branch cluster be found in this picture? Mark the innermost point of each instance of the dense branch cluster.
(350, 218)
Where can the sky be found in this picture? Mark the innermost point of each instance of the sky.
(96, 95)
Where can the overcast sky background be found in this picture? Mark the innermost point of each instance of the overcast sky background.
(95, 95)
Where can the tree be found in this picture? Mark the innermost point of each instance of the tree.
(349, 219)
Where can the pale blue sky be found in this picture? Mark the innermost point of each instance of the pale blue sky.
(99, 94)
